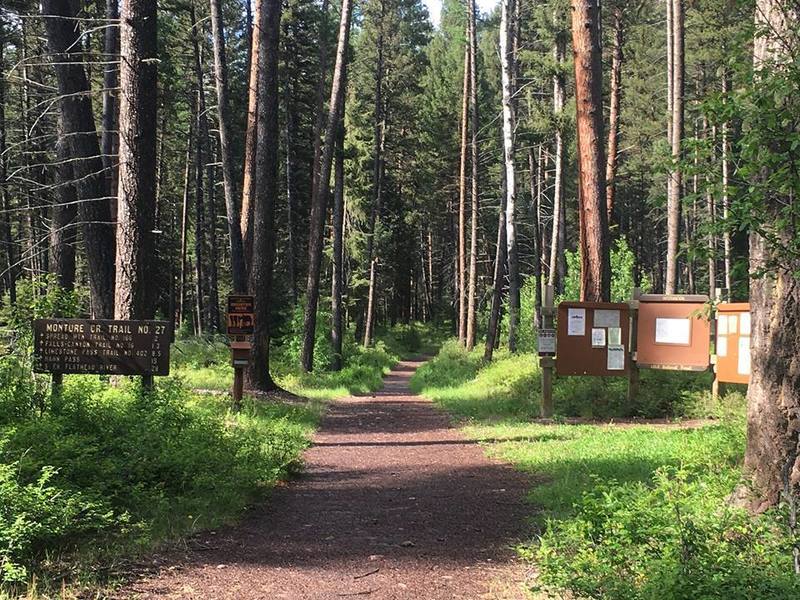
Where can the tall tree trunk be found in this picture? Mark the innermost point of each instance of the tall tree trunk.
(288, 127)
(251, 138)
(266, 190)
(377, 182)
(135, 298)
(233, 218)
(493, 328)
(63, 38)
(462, 200)
(473, 244)
(337, 279)
(557, 232)
(201, 128)
(319, 208)
(675, 186)
(595, 262)
(185, 224)
(507, 60)
(213, 257)
(614, 112)
(726, 175)
(319, 120)
(772, 457)
(670, 79)
(533, 176)
(63, 229)
(9, 267)
(110, 138)
(712, 236)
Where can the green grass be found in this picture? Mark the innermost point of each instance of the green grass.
(622, 511)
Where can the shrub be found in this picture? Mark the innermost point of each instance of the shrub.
(676, 539)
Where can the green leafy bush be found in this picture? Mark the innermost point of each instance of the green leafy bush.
(676, 538)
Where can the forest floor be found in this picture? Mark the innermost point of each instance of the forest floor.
(394, 503)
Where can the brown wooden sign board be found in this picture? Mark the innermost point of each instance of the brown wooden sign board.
(733, 342)
(593, 339)
(241, 318)
(104, 347)
(672, 334)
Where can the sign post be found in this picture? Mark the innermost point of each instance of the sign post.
(633, 372)
(546, 352)
(241, 324)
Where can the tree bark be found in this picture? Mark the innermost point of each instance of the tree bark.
(493, 328)
(63, 229)
(266, 171)
(462, 201)
(110, 139)
(533, 175)
(337, 280)
(233, 218)
(595, 262)
(614, 113)
(675, 186)
(319, 120)
(185, 224)
(251, 138)
(507, 60)
(772, 456)
(726, 175)
(63, 38)
(473, 244)
(557, 231)
(135, 298)
(9, 271)
(201, 129)
(319, 208)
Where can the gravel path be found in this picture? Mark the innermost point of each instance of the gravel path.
(394, 504)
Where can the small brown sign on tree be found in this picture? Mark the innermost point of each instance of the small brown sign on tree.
(104, 347)
(241, 315)
(733, 342)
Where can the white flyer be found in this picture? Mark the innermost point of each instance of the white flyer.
(598, 337)
(743, 367)
(673, 331)
(722, 345)
(547, 341)
(576, 321)
(606, 318)
(744, 323)
(616, 358)
(722, 325)
(614, 336)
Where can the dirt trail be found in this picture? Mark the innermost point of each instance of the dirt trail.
(394, 504)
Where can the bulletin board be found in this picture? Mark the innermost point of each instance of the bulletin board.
(593, 339)
(672, 334)
(733, 342)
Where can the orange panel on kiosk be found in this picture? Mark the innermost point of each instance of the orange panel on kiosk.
(673, 333)
(593, 339)
(733, 342)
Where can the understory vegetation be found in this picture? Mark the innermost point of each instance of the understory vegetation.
(626, 510)
(102, 470)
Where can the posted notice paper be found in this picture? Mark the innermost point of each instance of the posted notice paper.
(616, 358)
(576, 321)
(606, 318)
(598, 337)
(614, 336)
(673, 331)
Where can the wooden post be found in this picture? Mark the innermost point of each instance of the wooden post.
(238, 388)
(633, 370)
(56, 385)
(546, 362)
(715, 385)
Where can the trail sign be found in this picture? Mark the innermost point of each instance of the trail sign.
(104, 347)
(241, 317)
